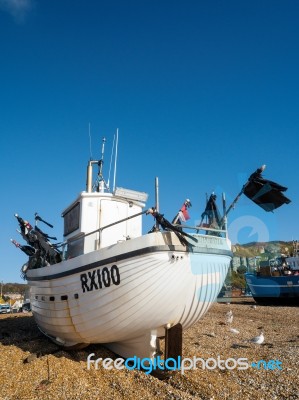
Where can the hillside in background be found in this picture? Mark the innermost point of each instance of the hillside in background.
(248, 257)
(263, 249)
(14, 288)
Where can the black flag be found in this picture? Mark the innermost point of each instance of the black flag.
(265, 193)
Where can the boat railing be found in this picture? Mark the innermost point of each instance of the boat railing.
(199, 229)
(196, 228)
(202, 228)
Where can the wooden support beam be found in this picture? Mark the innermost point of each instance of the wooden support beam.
(174, 342)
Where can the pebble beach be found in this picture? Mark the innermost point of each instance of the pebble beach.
(33, 368)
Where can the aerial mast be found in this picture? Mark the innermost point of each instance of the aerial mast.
(100, 184)
(100, 181)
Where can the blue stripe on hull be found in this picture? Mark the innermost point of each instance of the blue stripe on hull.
(212, 274)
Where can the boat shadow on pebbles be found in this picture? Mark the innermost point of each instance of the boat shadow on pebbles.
(22, 332)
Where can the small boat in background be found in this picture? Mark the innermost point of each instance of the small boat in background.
(276, 281)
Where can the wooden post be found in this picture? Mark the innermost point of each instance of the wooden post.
(174, 342)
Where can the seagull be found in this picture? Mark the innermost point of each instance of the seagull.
(233, 330)
(253, 306)
(229, 317)
(258, 339)
(212, 334)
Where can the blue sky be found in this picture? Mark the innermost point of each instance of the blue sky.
(203, 93)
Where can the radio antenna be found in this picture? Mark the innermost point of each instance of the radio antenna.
(100, 183)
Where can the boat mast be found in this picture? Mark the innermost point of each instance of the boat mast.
(100, 184)
(115, 161)
(224, 219)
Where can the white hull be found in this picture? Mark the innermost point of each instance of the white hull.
(155, 283)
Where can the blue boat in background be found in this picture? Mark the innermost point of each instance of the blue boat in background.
(276, 281)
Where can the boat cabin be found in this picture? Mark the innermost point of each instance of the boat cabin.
(281, 266)
(100, 219)
(293, 263)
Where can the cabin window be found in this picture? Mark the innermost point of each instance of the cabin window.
(71, 219)
(64, 297)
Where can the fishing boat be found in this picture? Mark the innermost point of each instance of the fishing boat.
(110, 283)
(276, 281)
